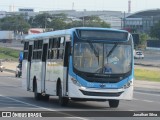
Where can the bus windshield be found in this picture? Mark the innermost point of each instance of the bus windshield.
(102, 58)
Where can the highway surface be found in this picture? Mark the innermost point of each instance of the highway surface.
(14, 98)
(150, 58)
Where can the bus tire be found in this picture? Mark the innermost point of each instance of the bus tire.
(63, 101)
(37, 95)
(45, 98)
(113, 103)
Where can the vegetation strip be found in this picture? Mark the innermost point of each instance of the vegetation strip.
(149, 75)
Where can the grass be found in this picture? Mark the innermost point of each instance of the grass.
(149, 75)
(9, 54)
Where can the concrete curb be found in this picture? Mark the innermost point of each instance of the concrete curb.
(148, 65)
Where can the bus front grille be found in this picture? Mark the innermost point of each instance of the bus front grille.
(106, 94)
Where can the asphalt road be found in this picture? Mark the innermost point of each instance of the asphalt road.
(150, 58)
(14, 98)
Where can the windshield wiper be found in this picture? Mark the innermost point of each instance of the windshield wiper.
(113, 48)
(93, 48)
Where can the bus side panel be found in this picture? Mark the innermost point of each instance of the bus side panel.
(65, 81)
(54, 71)
(49, 83)
(36, 71)
(43, 77)
(24, 74)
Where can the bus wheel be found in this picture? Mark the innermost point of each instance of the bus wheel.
(37, 95)
(113, 103)
(63, 101)
(45, 98)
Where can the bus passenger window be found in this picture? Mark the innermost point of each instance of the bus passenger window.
(40, 44)
(25, 55)
(35, 44)
(49, 54)
(58, 42)
(34, 55)
(55, 43)
(26, 45)
(62, 42)
(60, 54)
(54, 54)
(50, 43)
(39, 53)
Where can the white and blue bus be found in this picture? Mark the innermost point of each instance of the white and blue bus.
(85, 63)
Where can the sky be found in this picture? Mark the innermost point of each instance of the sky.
(79, 5)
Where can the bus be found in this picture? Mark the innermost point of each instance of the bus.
(79, 64)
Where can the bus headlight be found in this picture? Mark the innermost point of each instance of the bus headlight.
(75, 82)
(128, 84)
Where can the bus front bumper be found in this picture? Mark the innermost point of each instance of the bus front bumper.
(96, 93)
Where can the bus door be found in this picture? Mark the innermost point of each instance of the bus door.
(44, 57)
(66, 65)
(29, 67)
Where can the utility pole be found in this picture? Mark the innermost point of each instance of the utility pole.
(124, 20)
(83, 20)
(45, 22)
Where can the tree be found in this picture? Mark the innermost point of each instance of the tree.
(40, 20)
(74, 24)
(15, 23)
(89, 21)
(45, 20)
(143, 40)
(59, 21)
(95, 21)
(155, 31)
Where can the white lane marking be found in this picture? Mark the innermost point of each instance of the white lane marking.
(131, 110)
(43, 107)
(147, 94)
(146, 100)
(26, 107)
(26, 103)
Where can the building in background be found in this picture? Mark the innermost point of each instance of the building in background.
(114, 18)
(2, 14)
(142, 21)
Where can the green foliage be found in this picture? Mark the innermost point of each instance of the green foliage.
(143, 40)
(89, 21)
(155, 31)
(58, 24)
(74, 24)
(149, 75)
(15, 23)
(45, 20)
(95, 21)
(7, 53)
(50, 22)
(40, 20)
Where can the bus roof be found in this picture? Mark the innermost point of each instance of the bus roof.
(65, 32)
